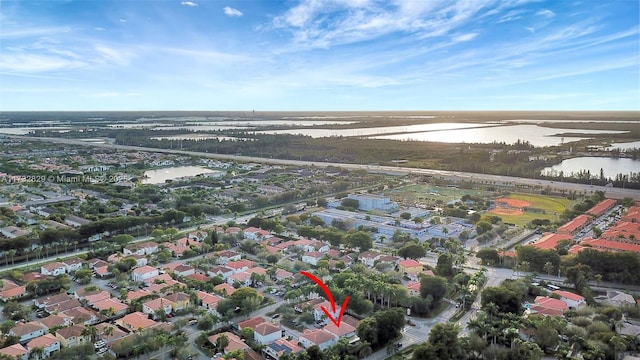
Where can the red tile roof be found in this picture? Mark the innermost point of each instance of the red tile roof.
(550, 240)
(266, 328)
(601, 207)
(568, 295)
(579, 222)
(251, 323)
(609, 245)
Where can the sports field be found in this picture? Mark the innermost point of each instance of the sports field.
(513, 211)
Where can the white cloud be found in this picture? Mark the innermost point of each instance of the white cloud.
(229, 11)
(318, 24)
(546, 13)
(17, 33)
(465, 37)
(34, 63)
(111, 55)
(189, 3)
(123, 20)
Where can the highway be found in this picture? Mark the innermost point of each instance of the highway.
(500, 180)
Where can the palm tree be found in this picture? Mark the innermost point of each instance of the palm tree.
(36, 353)
(90, 331)
(12, 253)
(108, 331)
(222, 342)
(548, 267)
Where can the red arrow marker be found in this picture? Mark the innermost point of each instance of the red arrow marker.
(330, 298)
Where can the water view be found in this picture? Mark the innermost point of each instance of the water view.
(610, 166)
(160, 176)
(318, 133)
(624, 146)
(536, 135)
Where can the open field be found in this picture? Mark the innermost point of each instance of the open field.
(552, 206)
(428, 194)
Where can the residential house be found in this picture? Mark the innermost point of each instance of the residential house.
(151, 307)
(312, 258)
(251, 323)
(184, 270)
(548, 306)
(242, 278)
(72, 265)
(319, 314)
(114, 307)
(179, 299)
(345, 330)
(413, 288)
(368, 258)
(109, 333)
(80, 315)
(323, 339)
(227, 255)
(409, 266)
(224, 289)
(15, 351)
(53, 269)
(198, 235)
(63, 306)
(240, 265)
(94, 298)
(13, 232)
(202, 278)
(616, 298)
(209, 301)
(72, 336)
(45, 301)
(235, 343)
(47, 342)
(145, 248)
(266, 333)
(135, 321)
(55, 321)
(281, 275)
(133, 295)
(222, 271)
(572, 300)
(11, 291)
(144, 273)
(76, 221)
(26, 331)
(281, 347)
(252, 233)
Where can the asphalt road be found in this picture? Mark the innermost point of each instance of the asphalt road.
(508, 181)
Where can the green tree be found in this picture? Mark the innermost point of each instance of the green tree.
(483, 227)
(444, 339)
(434, 286)
(412, 251)
(444, 267)
(488, 256)
(361, 240)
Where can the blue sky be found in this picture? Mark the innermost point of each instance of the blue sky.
(320, 55)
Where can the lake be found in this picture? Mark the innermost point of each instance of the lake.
(624, 146)
(536, 135)
(318, 133)
(160, 176)
(610, 166)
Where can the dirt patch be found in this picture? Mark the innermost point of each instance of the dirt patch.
(506, 211)
(509, 203)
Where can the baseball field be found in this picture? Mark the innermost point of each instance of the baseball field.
(519, 209)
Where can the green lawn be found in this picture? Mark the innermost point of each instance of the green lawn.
(553, 206)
